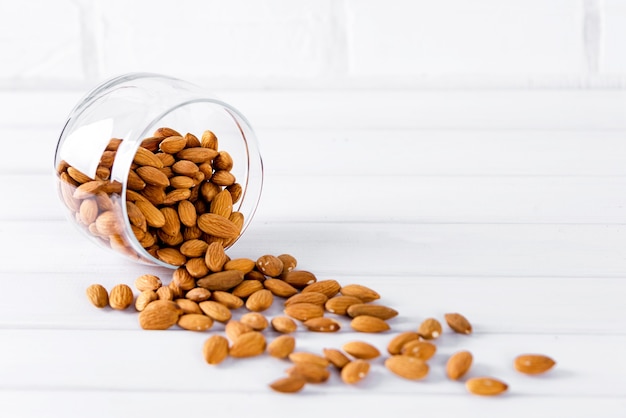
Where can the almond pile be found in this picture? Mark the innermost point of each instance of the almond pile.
(214, 290)
(179, 198)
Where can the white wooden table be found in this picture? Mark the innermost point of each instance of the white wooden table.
(506, 206)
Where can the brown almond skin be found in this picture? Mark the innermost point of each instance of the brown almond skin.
(227, 299)
(195, 322)
(339, 304)
(249, 344)
(315, 298)
(298, 278)
(397, 342)
(407, 367)
(369, 324)
(260, 300)
(305, 357)
(246, 288)
(355, 371)
(159, 315)
(328, 287)
(533, 363)
(312, 373)
(430, 329)
(147, 282)
(215, 310)
(458, 323)
(144, 298)
(235, 328)
(255, 320)
(280, 288)
(336, 358)
(283, 324)
(215, 349)
(423, 350)
(223, 280)
(289, 262)
(379, 311)
(459, 364)
(188, 306)
(304, 311)
(269, 265)
(322, 324)
(98, 295)
(361, 350)
(362, 292)
(289, 384)
(121, 297)
(485, 386)
(281, 346)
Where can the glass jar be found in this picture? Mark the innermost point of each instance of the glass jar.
(156, 168)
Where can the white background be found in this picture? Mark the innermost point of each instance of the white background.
(454, 155)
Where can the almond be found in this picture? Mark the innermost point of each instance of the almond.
(362, 292)
(165, 293)
(370, 324)
(289, 262)
(198, 294)
(147, 282)
(176, 195)
(355, 371)
(209, 140)
(336, 358)
(185, 168)
(298, 278)
(192, 140)
(193, 248)
(235, 328)
(167, 159)
(88, 211)
(165, 132)
(397, 342)
(97, 295)
(255, 320)
(281, 346)
(260, 300)
(430, 329)
(153, 216)
(309, 297)
(423, 350)
(533, 363)
(280, 288)
(173, 144)
(197, 154)
(458, 364)
(244, 265)
(107, 223)
(222, 280)
(187, 214)
(144, 298)
(172, 223)
(304, 357)
(195, 322)
(215, 349)
(145, 157)
(227, 299)
(361, 350)
(458, 323)
(312, 373)
(188, 306)
(290, 384)
(222, 204)
(246, 288)
(159, 315)
(407, 367)
(223, 178)
(153, 176)
(283, 324)
(248, 344)
(223, 161)
(328, 287)
(269, 265)
(379, 311)
(339, 304)
(183, 279)
(217, 225)
(485, 386)
(322, 324)
(120, 297)
(215, 310)
(197, 267)
(304, 311)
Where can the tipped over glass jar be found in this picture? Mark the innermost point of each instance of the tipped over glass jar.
(157, 169)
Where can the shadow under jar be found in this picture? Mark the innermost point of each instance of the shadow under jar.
(156, 168)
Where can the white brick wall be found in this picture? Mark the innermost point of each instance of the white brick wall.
(317, 43)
